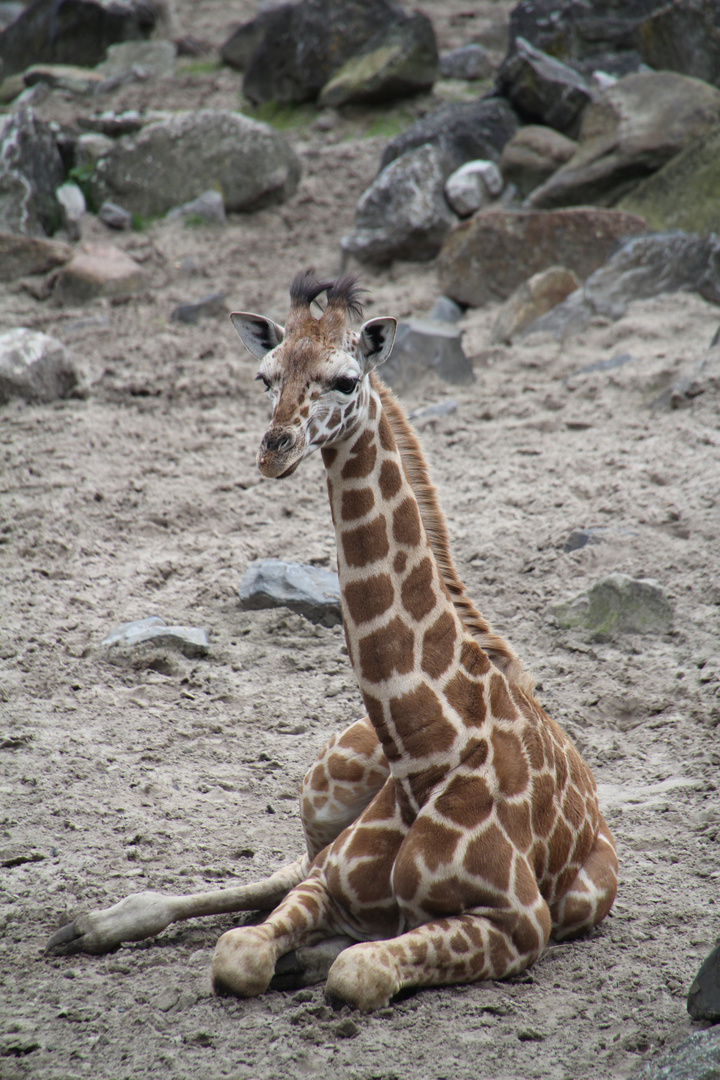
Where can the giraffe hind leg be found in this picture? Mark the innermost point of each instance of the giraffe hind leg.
(591, 895)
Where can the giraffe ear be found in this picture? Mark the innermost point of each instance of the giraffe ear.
(259, 335)
(375, 340)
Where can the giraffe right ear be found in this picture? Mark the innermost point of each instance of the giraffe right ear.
(259, 335)
(376, 339)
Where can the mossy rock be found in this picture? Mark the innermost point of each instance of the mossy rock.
(617, 604)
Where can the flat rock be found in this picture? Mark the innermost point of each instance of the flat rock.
(533, 154)
(464, 131)
(114, 216)
(425, 345)
(24, 255)
(31, 170)
(151, 57)
(543, 89)
(616, 604)
(470, 62)
(696, 1058)
(191, 641)
(74, 32)
(67, 77)
(171, 161)
(404, 213)
(304, 44)
(703, 1001)
(683, 193)
(208, 206)
(35, 367)
(532, 299)
(487, 257)
(401, 60)
(631, 130)
(308, 590)
(97, 270)
(474, 184)
(210, 306)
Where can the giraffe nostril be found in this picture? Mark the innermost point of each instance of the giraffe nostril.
(279, 441)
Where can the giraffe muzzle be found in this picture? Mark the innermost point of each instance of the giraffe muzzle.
(280, 452)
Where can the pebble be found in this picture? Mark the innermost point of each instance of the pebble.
(214, 304)
(189, 640)
(114, 216)
(346, 1028)
(209, 206)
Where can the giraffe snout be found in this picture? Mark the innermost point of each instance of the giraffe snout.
(280, 452)
(280, 440)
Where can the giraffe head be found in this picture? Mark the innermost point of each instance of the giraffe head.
(315, 369)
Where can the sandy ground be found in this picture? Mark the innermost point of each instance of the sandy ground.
(163, 772)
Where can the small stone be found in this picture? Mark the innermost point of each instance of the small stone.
(530, 1035)
(72, 201)
(34, 366)
(473, 185)
(346, 1028)
(114, 216)
(208, 206)
(97, 270)
(531, 300)
(150, 57)
(446, 310)
(167, 999)
(703, 1001)
(617, 604)
(89, 148)
(308, 590)
(434, 411)
(468, 62)
(214, 304)
(189, 640)
(579, 538)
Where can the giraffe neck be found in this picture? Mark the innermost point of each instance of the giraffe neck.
(407, 643)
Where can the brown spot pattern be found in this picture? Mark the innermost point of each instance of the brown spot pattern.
(500, 701)
(543, 808)
(341, 769)
(417, 592)
(389, 480)
(400, 562)
(368, 599)
(439, 646)
(365, 544)
(473, 659)
(406, 523)
(466, 698)
(509, 762)
(489, 856)
(387, 651)
(515, 819)
(416, 712)
(387, 439)
(466, 801)
(356, 504)
(362, 458)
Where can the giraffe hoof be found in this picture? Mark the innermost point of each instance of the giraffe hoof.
(364, 977)
(243, 964)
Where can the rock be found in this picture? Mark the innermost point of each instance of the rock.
(425, 345)
(237, 51)
(473, 185)
(150, 57)
(403, 214)
(97, 270)
(580, 538)
(172, 161)
(487, 257)
(683, 36)
(346, 1028)
(429, 414)
(208, 206)
(89, 149)
(23, 255)
(72, 201)
(31, 170)
(703, 1001)
(446, 310)
(35, 367)
(469, 62)
(214, 304)
(189, 640)
(113, 124)
(308, 965)
(401, 60)
(631, 129)
(571, 316)
(308, 590)
(646, 266)
(114, 216)
(466, 131)
(683, 193)
(532, 299)
(696, 1058)
(73, 32)
(532, 155)
(67, 77)
(542, 89)
(616, 604)
(304, 44)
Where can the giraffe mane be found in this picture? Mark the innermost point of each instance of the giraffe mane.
(497, 648)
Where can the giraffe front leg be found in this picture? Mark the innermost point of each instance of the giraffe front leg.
(245, 958)
(591, 895)
(460, 949)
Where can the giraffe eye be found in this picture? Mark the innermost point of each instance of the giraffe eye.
(266, 382)
(344, 385)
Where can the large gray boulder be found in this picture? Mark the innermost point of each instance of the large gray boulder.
(304, 44)
(696, 1058)
(542, 89)
(308, 590)
(34, 366)
(174, 160)
(633, 128)
(466, 131)
(400, 61)
(31, 170)
(683, 36)
(487, 257)
(404, 213)
(73, 32)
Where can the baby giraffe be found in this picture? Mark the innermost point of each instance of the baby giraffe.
(455, 828)
(485, 837)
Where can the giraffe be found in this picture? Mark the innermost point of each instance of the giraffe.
(453, 829)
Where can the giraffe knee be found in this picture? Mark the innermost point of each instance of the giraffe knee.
(243, 964)
(364, 977)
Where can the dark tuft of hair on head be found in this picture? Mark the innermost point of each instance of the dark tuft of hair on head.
(347, 292)
(305, 288)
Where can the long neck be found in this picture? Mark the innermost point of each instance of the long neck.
(409, 648)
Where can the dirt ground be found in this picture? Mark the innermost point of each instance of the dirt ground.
(121, 774)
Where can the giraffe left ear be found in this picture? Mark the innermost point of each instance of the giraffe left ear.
(259, 335)
(375, 340)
